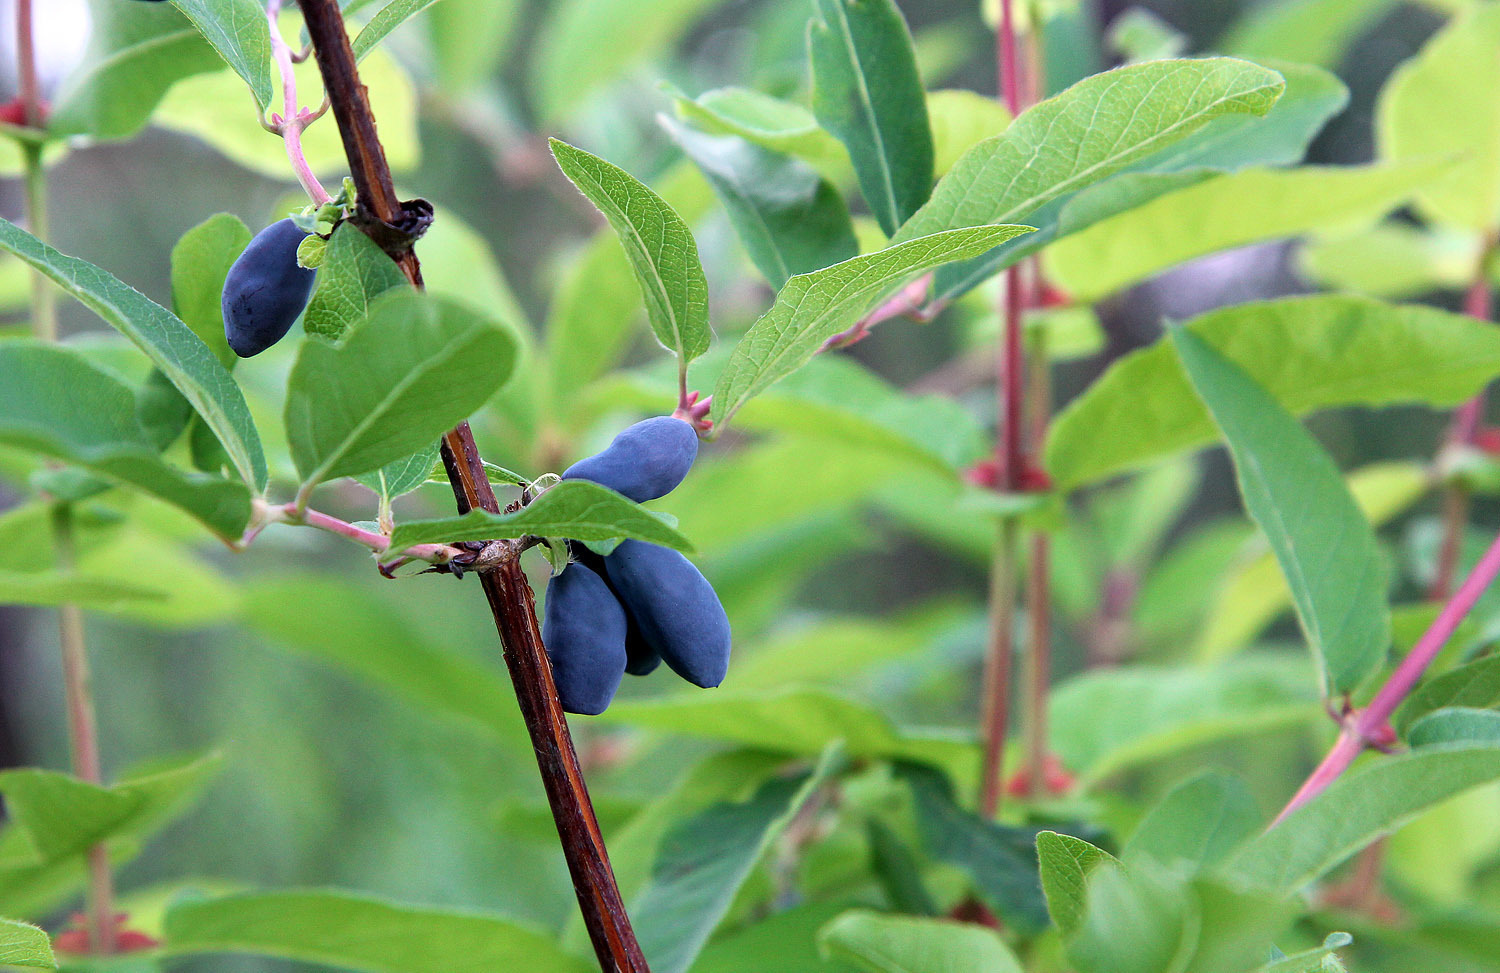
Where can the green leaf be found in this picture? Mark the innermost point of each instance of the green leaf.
(905, 944)
(25, 945)
(386, 19)
(1224, 212)
(1106, 122)
(585, 44)
(1295, 493)
(181, 355)
(812, 308)
(999, 859)
(960, 120)
(1358, 808)
(703, 862)
(1394, 260)
(659, 245)
(401, 476)
(1312, 960)
(898, 869)
(136, 52)
(789, 219)
(414, 368)
(867, 92)
(1308, 353)
(1455, 724)
(1105, 721)
(1065, 863)
(354, 273)
(1310, 31)
(1197, 824)
(1437, 105)
(796, 721)
(239, 31)
(54, 403)
(350, 627)
(360, 933)
(201, 260)
(576, 509)
(73, 588)
(1476, 685)
(782, 127)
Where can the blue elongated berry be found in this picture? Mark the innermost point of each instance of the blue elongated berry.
(644, 462)
(675, 607)
(583, 628)
(265, 290)
(640, 658)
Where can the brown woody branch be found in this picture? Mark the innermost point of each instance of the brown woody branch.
(505, 584)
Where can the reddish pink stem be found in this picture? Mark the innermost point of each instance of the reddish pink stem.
(294, 120)
(434, 553)
(1366, 723)
(1005, 55)
(30, 90)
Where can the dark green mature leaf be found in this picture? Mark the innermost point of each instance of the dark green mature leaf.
(136, 52)
(906, 944)
(1197, 824)
(415, 367)
(22, 944)
(789, 219)
(181, 355)
(361, 933)
(239, 31)
(353, 274)
(386, 19)
(659, 245)
(1308, 353)
(814, 307)
(1295, 493)
(796, 721)
(53, 402)
(575, 509)
(1095, 128)
(867, 92)
(1358, 808)
(1065, 863)
(1455, 724)
(1001, 860)
(1437, 105)
(1476, 685)
(1223, 212)
(201, 259)
(898, 870)
(704, 860)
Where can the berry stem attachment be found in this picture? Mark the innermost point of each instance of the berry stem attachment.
(504, 584)
(295, 120)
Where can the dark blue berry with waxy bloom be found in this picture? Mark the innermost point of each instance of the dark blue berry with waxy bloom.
(644, 462)
(675, 607)
(583, 628)
(265, 290)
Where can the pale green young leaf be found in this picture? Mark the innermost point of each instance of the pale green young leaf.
(658, 244)
(703, 861)
(355, 271)
(415, 367)
(1358, 808)
(1223, 212)
(401, 476)
(1294, 492)
(355, 932)
(1439, 105)
(136, 52)
(71, 588)
(880, 943)
(1455, 724)
(1322, 959)
(181, 355)
(22, 944)
(239, 31)
(1065, 863)
(789, 218)
(386, 19)
(781, 126)
(1310, 31)
(1094, 129)
(866, 90)
(54, 403)
(1394, 260)
(960, 120)
(1475, 685)
(1307, 352)
(201, 259)
(812, 308)
(575, 509)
